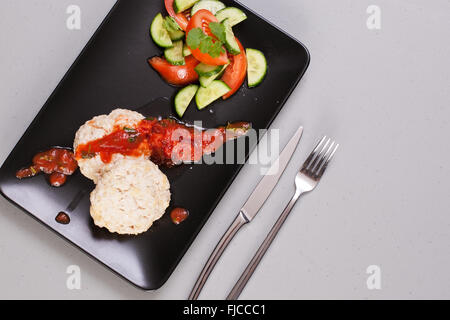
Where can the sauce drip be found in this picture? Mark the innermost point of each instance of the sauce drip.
(62, 218)
(178, 215)
(167, 142)
(58, 163)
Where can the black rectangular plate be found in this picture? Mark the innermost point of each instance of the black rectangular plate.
(112, 71)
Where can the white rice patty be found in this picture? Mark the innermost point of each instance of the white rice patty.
(130, 195)
(97, 128)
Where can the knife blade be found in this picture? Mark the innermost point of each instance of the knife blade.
(270, 180)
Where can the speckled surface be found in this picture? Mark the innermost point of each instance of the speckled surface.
(383, 94)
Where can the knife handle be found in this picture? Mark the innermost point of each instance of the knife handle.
(216, 254)
(240, 284)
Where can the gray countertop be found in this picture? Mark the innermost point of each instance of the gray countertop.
(383, 94)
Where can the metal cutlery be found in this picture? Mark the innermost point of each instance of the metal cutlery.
(249, 210)
(305, 181)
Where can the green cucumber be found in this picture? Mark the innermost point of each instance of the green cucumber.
(205, 70)
(159, 33)
(234, 15)
(184, 98)
(212, 6)
(257, 67)
(214, 91)
(170, 24)
(230, 39)
(181, 5)
(173, 28)
(176, 35)
(186, 50)
(174, 55)
(206, 81)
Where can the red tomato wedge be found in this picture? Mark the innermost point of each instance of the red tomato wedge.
(236, 72)
(201, 19)
(176, 75)
(180, 18)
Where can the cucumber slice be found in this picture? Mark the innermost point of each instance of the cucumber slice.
(159, 33)
(176, 35)
(230, 39)
(206, 81)
(205, 70)
(184, 98)
(174, 55)
(186, 50)
(212, 6)
(257, 67)
(214, 91)
(170, 24)
(173, 28)
(234, 15)
(181, 5)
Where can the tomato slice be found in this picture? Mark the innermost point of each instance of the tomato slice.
(236, 72)
(176, 75)
(180, 18)
(201, 19)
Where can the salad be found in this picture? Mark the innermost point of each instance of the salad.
(202, 54)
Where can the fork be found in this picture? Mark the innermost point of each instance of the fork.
(305, 181)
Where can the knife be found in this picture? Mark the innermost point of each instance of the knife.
(249, 210)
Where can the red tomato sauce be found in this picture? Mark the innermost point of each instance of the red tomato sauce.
(126, 141)
(167, 142)
(178, 215)
(58, 163)
(63, 218)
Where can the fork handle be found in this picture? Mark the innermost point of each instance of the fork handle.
(248, 272)
(216, 254)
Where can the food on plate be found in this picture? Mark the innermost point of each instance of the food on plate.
(114, 151)
(174, 55)
(234, 75)
(211, 93)
(176, 75)
(211, 52)
(159, 33)
(212, 6)
(205, 81)
(58, 163)
(178, 215)
(62, 218)
(184, 98)
(121, 152)
(131, 194)
(175, 32)
(206, 70)
(181, 18)
(257, 67)
(234, 15)
(186, 50)
(182, 5)
(165, 141)
(230, 40)
(91, 164)
(204, 43)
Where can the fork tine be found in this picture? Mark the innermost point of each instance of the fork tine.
(323, 156)
(322, 170)
(313, 153)
(322, 152)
